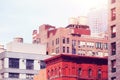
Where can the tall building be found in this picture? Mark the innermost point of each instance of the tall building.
(97, 20)
(21, 61)
(75, 39)
(114, 36)
(76, 67)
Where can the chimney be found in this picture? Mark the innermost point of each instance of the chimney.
(18, 39)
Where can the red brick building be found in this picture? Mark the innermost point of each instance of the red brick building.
(73, 39)
(75, 67)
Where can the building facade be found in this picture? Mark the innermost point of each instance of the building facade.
(114, 32)
(21, 61)
(75, 67)
(74, 38)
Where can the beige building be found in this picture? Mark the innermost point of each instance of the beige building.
(114, 36)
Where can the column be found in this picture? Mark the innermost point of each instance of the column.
(22, 63)
(36, 65)
(6, 62)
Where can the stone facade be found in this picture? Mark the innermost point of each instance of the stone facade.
(114, 36)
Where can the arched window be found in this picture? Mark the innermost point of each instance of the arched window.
(55, 72)
(79, 71)
(65, 69)
(52, 72)
(99, 73)
(48, 72)
(59, 73)
(89, 72)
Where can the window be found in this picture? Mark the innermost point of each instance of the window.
(13, 75)
(63, 49)
(67, 49)
(79, 72)
(57, 50)
(13, 63)
(82, 44)
(73, 50)
(74, 42)
(113, 14)
(113, 31)
(90, 44)
(99, 45)
(29, 76)
(89, 72)
(67, 40)
(99, 74)
(63, 40)
(48, 74)
(47, 53)
(106, 46)
(57, 41)
(113, 65)
(113, 48)
(29, 64)
(52, 72)
(59, 71)
(113, 78)
(113, 1)
(42, 64)
(2, 63)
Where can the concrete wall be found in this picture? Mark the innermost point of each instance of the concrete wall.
(26, 48)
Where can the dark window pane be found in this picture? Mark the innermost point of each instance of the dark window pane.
(13, 63)
(29, 64)
(63, 40)
(113, 31)
(113, 48)
(63, 49)
(67, 49)
(99, 74)
(42, 65)
(13, 75)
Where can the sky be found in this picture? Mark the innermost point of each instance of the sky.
(18, 18)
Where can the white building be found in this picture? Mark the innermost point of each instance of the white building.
(97, 20)
(21, 61)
